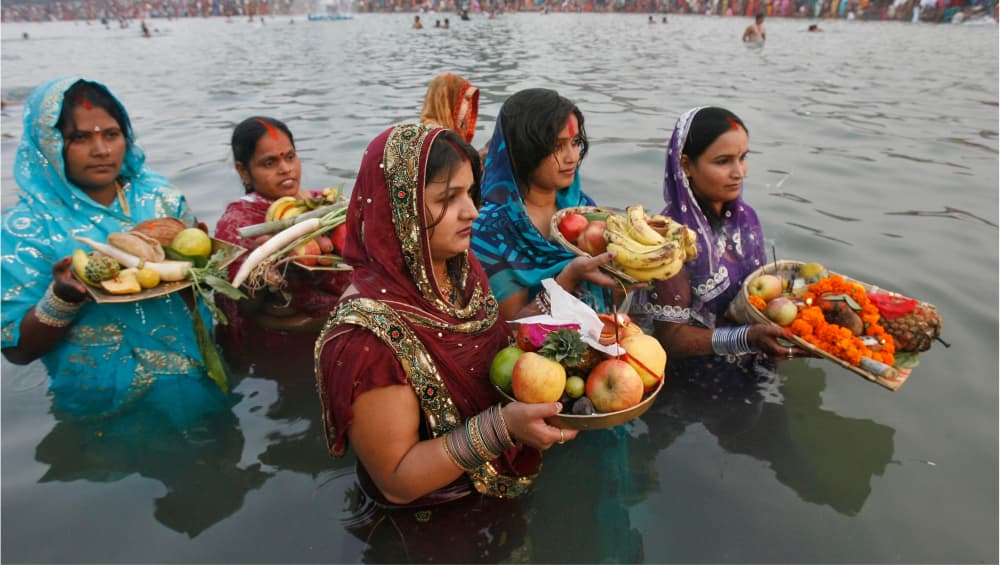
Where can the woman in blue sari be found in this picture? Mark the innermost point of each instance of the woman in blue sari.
(81, 173)
(532, 170)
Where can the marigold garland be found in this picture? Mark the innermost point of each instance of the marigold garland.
(757, 302)
(811, 324)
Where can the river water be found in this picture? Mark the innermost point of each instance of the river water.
(874, 151)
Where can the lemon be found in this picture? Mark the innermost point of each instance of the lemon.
(148, 278)
(192, 242)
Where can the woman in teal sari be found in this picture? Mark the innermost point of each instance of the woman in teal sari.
(81, 173)
(531, 171)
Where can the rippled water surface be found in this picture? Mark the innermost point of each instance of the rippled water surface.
(874, 151)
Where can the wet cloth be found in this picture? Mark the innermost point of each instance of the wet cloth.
(513, 252)
(398, 328)
(114, 354)
(452, 103)
(727, 253)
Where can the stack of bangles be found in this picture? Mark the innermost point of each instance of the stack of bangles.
(56, 312)
(731, 340)
(542, 301)
(482, 438)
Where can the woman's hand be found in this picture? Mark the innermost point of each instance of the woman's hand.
(64, 284)
(588, 269)
(765, 338)
(526, 424)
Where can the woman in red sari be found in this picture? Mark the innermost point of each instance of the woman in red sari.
(402, 365)
(269, 167)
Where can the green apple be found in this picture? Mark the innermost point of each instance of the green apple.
(502, 368)
(575, 386)
(812, 272)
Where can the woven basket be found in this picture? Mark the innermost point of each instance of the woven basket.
(742, 311)
(557, 236)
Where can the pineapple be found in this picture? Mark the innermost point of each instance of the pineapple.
(916, 330)
(566, 348)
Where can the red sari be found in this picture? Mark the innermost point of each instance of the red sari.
(399, 329)
(313, 293)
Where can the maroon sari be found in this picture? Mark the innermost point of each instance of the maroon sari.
(398, 328)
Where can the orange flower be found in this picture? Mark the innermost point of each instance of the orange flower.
(757, 302)
(811, 324)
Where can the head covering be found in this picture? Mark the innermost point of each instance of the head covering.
(389, 249)
(452, 101)
(513, 252)
(725, 255)
(113, 353)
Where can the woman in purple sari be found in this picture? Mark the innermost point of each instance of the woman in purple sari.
(703, 186)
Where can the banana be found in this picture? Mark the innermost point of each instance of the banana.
(690, 243)
(656, 257)
(665, 271)
(630, 244)
(278, 208)
(639, 229)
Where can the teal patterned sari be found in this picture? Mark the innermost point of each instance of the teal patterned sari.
(115, 356)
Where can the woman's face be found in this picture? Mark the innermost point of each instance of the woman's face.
(449, 203)
(93, 147)
(556, 171)
(717, 175)
(274, 167)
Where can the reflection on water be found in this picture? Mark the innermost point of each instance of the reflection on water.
(873, 150)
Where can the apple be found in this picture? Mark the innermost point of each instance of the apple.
(338, 237)
(537, 379)
(781, 310)
(325, 243)
(571, 225)
(502, 368)
(308, 248)
(765, 287)
(647, 357)
(591, 239)
(614, 385)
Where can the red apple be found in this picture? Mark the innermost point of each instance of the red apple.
(325, 243)
(571, 225)
(338, 236)
(308, 248)
(614, 385)
(781, 311)
(537, 379)
(591, 239)
(765, 286)
(645, 354)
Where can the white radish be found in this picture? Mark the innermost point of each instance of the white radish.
(169, 271)
(280, 240)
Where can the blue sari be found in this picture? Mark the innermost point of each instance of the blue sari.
(114, 356)
(513, 252)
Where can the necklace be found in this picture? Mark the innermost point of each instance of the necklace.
(121, 197)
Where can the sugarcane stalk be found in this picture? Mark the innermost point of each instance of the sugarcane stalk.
(278, 225)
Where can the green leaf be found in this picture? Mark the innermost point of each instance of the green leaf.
(223, 287)
(209, 354)
(906, 360)
(172, 253)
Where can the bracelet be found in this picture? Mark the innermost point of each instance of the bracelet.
(500, 427)
(459, 448)
(542, 301)
(55, 312)
(731, 340)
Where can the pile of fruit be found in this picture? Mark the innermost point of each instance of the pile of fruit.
(553, 363)
(871, 330)
(324, 249)
(137, 259)
(646, 247)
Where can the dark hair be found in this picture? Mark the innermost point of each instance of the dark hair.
(707, 126)
(760, 16)
(86, 93)
(248, 133)
(447, 153)
(532, 120)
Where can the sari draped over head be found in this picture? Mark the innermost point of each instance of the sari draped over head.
(513, 252)
(726, 254)
(398, 328)
(452, 103)
(113, 354)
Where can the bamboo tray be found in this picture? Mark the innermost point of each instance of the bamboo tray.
(599, 420)
(101, 296)
(742, 311)
(558, 237)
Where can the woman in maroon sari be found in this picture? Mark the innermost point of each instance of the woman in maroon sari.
(402, 365)
(269, 167)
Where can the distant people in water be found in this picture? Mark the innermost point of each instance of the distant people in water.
(754, 33)
(446, 24)
(437, 23)
(145, 29)
(664, 20)
(464, 14)
(24, 35)
(814, 27)
(416, 23)
(651, 20)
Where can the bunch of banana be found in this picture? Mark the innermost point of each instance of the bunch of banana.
(644, 253)
(284, 207)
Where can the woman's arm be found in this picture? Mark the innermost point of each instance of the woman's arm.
(385, 436)
(683, 340)
(45, 325)
(580, 269)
